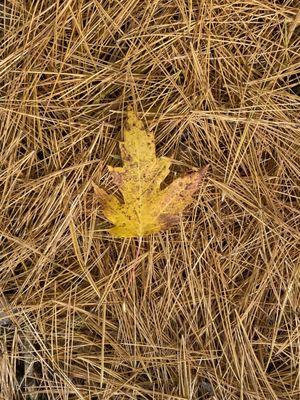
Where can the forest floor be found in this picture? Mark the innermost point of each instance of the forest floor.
(208, 309)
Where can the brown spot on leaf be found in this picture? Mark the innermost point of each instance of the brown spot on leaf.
(168, 220)
(117, 177)
(127, 157)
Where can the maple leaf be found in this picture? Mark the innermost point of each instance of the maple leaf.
(146, 209)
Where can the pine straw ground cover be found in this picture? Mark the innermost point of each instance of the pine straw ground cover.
(212, 309)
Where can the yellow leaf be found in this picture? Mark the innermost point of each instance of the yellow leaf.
(146, 208)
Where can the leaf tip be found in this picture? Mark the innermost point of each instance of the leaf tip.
(132, 119)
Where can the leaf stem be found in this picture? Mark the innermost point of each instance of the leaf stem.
(132, 272)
